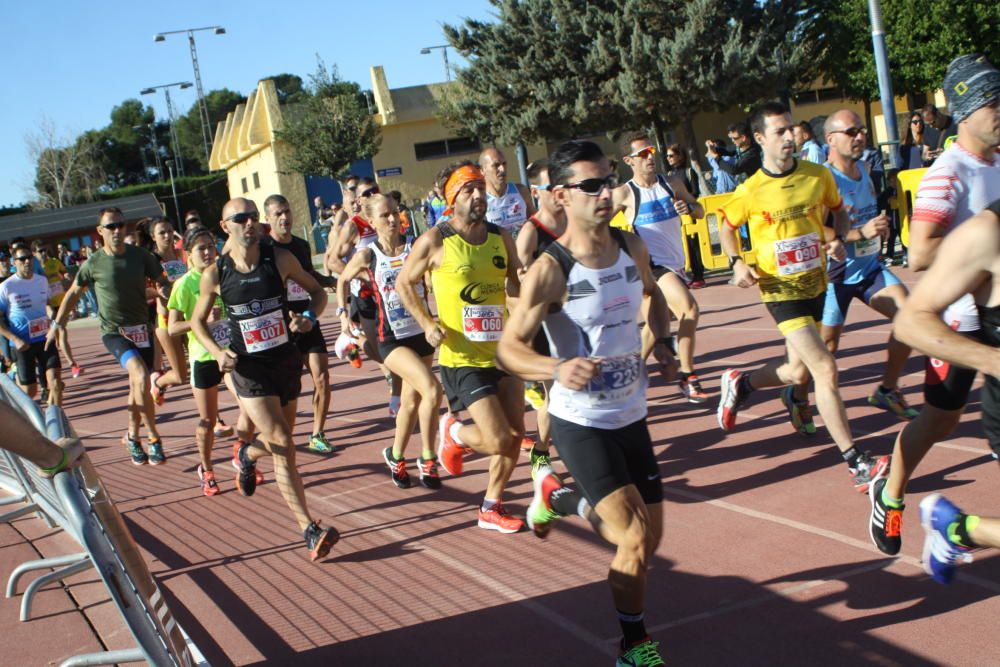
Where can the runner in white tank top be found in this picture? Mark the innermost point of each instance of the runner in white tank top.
(654, 203)
(588, 288)
(508, 205)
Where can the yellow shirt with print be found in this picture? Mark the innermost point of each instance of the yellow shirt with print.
(470, 290)
(785, 214)
(54, 271)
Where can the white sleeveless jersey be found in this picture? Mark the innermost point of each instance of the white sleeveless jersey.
(366, 237)
(956, 187)
(599, 320)
(507, 212)
(394, 321)
(658, 224)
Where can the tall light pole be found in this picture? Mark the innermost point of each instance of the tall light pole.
(156, 147)
(884, 83)
(172, 117)
(173, 188)
(444, 52)
(206, 131)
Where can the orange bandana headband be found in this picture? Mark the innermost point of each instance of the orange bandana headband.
(458, 180)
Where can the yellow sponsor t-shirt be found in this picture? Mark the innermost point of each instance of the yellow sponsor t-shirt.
(470, 290)
(785, 214)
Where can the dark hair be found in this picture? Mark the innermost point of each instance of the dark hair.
(536, 169)
(144, 233)
(274, 200)
(446, 172)
(562, 159)
(193, 233)
(679, 150)
(106, 210)
(763, 111)
(907, 138)
(740, 127)
(190, 212)
(38, 244)
(929, 108)
(365, 180)
(807, 128)
(625, 141)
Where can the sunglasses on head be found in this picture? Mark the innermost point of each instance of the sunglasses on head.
(593, 186)
(112, 226)
(22, 258)
(644, 153)
(852, 131)
(241, 218)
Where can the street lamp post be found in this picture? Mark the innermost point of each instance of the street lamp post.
(171, 118)
(156, 147)
(173, 188)
(206, 132)
(444, 52)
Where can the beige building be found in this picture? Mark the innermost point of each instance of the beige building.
(254, 160)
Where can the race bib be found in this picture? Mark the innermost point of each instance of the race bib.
(264, 331)
(398, 316)
(138, 334)
(867, 247)
(482, 324)
(798, 255)
(38, 327)
(220, 333)
(295, 292)
(618, 380)
(174, 269)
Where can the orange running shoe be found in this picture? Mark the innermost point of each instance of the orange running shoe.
(449, 452)
(499, 519)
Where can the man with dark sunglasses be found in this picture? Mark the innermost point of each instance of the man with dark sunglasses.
(118, 274)
(264, 363)
(598, 408)
(653, 204)
(508, 205)
(24, 322)
(785, 205)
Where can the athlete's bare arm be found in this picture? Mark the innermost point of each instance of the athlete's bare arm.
(544, 290)
(425, 255)
(73, 295)
(967, 261)
(529, 203)
(176, 324)
(925, 238)
(209, 289)
(658, 316)
(513, 265)
(354, 269)
(694, 209)
(291, 269)
(622, 200)
(527, 243)
(341, 248)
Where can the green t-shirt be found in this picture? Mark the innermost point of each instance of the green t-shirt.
(183, 298)
(119, 282)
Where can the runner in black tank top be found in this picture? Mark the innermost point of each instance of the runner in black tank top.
(264, 363)
(542, 229)
(967, 262)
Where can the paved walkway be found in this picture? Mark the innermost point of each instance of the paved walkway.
(765, 559)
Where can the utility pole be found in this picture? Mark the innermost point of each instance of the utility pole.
(884, 84)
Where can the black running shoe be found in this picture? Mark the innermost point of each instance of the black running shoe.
(397, 469)
(246, 478)
(319, 540)
(886, 522)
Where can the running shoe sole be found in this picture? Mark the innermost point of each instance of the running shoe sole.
(325, 544)
(492, 526)
(726, 416)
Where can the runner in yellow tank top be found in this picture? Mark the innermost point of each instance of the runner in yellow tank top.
(473, 267)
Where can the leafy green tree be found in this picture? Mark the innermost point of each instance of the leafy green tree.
(331, 128)
(290, 88)
(219, 102)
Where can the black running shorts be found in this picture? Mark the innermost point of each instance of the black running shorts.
(311, 342)
(947, 386)
(797, 314)
(417, 343)
(279, 376)
(123, 349)
(36, 359)
(464, 385)
(205, 374)
(602, 461)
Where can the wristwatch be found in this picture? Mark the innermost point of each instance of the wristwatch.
(341, 310)
(733, 259)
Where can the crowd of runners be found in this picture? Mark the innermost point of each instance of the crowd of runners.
(537, 294)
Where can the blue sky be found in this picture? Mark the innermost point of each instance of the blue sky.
(74, 61)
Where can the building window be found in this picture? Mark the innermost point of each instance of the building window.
(820, 95)
(429, 150)
(243, 181)
(256, 181)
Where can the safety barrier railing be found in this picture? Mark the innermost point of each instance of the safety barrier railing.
(906, 194)
(78, 502)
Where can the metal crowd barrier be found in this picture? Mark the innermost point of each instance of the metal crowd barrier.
(78, 502)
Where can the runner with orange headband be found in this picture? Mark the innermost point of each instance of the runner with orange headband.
(473, 266)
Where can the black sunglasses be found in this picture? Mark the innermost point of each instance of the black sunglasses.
(241, 218)
(112, 226)
(22, 258)
(852, 131)
(352, 188)
(593, 186)
(369, 192)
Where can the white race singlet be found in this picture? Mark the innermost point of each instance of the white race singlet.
(507, 212)
(658, 224)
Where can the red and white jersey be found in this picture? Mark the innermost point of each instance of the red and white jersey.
(956, 187)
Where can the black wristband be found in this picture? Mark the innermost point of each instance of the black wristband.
(733, 259)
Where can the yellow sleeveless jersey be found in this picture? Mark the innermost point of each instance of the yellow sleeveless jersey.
(470, 290)
(785, 214)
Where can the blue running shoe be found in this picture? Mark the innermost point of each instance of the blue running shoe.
(937, 513)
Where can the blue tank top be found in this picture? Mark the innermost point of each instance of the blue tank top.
(861, 205)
